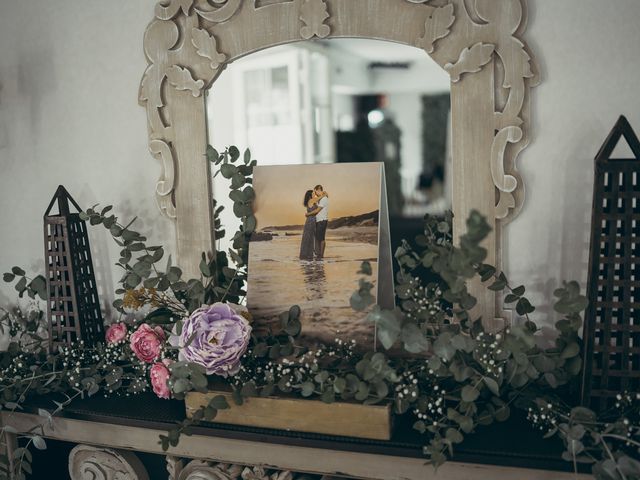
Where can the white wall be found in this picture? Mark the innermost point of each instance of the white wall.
(70, 70)
(69, 76)
(588, 55)
(406, 111)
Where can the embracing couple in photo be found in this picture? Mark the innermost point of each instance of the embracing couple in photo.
(316, 203)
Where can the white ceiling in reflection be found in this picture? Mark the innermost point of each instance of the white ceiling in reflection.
(380, 51)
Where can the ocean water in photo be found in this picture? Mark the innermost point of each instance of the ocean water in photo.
(279, 279)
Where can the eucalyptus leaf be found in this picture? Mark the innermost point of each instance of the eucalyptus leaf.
(17, 271)
(502, 414)
(238, 180)
(523, 307)
(551, 379)
(328, 396)
(443, 346)
(242, 210)
(219, 402)
(132, 280)
(249, 389)
(492, 385)
(307, 389)
(249, 224)
(414, 339)
(39, 442)
(388, 326)
(248, 194)
(39, 284)
(236, 196)
(293, 328)
(204, 266)
(212, 154)
(234, 153)
(469, 393)
(21, 285)
(453, 435)
(228, 170)
(181, 385)
(339, 385)
(174, 274)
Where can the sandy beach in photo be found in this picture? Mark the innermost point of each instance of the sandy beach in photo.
(321, 289)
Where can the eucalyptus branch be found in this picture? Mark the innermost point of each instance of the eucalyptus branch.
(621, 438)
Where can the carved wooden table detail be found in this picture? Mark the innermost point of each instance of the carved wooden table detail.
(106, 452)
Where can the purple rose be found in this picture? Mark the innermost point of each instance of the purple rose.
(220, 338)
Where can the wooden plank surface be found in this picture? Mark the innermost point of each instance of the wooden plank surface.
(301, 415)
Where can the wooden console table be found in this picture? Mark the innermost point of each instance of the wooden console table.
(109, 432)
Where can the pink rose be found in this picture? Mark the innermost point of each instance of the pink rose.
(159, 374)
(116, 333)
(146, 342)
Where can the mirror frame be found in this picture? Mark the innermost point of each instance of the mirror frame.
(478, 42)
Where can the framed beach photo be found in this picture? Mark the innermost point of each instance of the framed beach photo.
(316, 224)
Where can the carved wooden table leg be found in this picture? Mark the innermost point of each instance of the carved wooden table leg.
(174, 466)
(203, 470)
(7, 446)
(104, 464)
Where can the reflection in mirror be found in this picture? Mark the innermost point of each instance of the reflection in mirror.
(341, 100)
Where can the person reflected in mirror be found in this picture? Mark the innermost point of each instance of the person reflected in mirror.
(432, 190)
(307, 244)
(322, 220)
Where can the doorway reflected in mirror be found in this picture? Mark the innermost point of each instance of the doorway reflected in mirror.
(342, 100)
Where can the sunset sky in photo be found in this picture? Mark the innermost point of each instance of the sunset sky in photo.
(353, 188)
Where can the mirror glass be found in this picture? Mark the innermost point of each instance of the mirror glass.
(341, 100)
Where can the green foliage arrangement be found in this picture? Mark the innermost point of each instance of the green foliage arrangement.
(453, 377)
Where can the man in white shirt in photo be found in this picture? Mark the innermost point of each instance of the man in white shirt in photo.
(322, 219)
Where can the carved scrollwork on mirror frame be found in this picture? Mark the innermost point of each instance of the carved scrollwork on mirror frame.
(478, 42)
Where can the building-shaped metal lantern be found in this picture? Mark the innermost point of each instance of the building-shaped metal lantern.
(612, 320)
(72, 306)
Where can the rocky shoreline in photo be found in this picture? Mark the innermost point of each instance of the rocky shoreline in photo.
(365, 220)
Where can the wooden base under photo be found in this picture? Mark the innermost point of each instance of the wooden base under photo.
(300, 415)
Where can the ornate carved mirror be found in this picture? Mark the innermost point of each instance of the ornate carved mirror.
(478, 43)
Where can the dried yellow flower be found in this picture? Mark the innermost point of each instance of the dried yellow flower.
(135, 299)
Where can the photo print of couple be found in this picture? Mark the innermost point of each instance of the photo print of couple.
(314, 230)
(316, 224)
